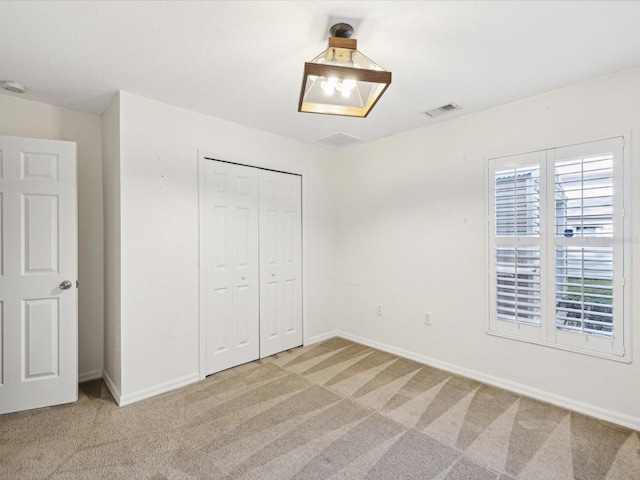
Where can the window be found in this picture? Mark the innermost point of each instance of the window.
(556, 257)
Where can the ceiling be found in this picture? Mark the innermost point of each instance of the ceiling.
(242, 61)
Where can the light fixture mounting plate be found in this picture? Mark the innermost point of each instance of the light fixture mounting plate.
(341, 30)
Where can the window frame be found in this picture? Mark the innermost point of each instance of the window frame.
(618, 346)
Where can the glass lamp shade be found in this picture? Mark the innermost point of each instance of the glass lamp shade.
(342, 81)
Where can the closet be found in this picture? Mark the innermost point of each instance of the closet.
(251, 263)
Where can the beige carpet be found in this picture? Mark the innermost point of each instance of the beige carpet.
(336, 410)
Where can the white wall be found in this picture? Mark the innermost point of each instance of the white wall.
(24, 118)
(159, 147)
(412, 237)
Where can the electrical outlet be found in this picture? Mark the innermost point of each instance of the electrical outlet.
(379, 310)
(427, 318)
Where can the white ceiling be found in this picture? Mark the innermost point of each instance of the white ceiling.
(243, 60)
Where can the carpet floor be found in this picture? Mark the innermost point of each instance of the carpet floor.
(334, 410)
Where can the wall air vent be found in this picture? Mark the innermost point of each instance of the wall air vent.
(435, 112)
(339, 140)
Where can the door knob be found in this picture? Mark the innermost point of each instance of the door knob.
(243, 277)
(65, 285)
(273, 274)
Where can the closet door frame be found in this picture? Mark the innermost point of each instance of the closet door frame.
(205, 157)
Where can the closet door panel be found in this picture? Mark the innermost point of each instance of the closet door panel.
(280, 262)
(231, 265)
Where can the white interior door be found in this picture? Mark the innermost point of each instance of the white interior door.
(280, 262)
(231, 265)
(38, 272)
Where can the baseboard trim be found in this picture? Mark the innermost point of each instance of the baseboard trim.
(115, 393)
(322, 337)
(558, 400)
(158, 389)
(90, 375)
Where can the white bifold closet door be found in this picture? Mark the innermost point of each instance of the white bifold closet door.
(231, 263)
(252, 264)
(280, 262)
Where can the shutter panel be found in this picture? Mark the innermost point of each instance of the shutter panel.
(518, 284)
(516, 258)
(588, 262)
(584, 274)
(584, 289)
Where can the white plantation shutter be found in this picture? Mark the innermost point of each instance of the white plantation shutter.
(584, 289)
(518, 201)
(518, 284)
(586, 184)
(556, 250)
(588, 302)
(516, 257)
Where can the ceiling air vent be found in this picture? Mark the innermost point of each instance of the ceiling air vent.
(339, 140)
(435, 112)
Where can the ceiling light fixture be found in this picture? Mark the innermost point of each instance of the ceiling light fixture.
(341, 80)
(14, 87)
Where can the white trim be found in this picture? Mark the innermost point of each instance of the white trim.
(628, 248)
(115, 393)
(90, 375)
(322, 337)
(158, 389)
(202, 370)
(564, 346)
(558, 400)
(303, 258)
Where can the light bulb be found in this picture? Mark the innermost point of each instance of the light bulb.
(349, 84)
(329, 86)
(346, 93)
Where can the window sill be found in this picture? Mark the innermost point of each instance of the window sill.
(626, 358)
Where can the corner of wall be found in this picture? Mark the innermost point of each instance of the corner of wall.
(112, 246)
